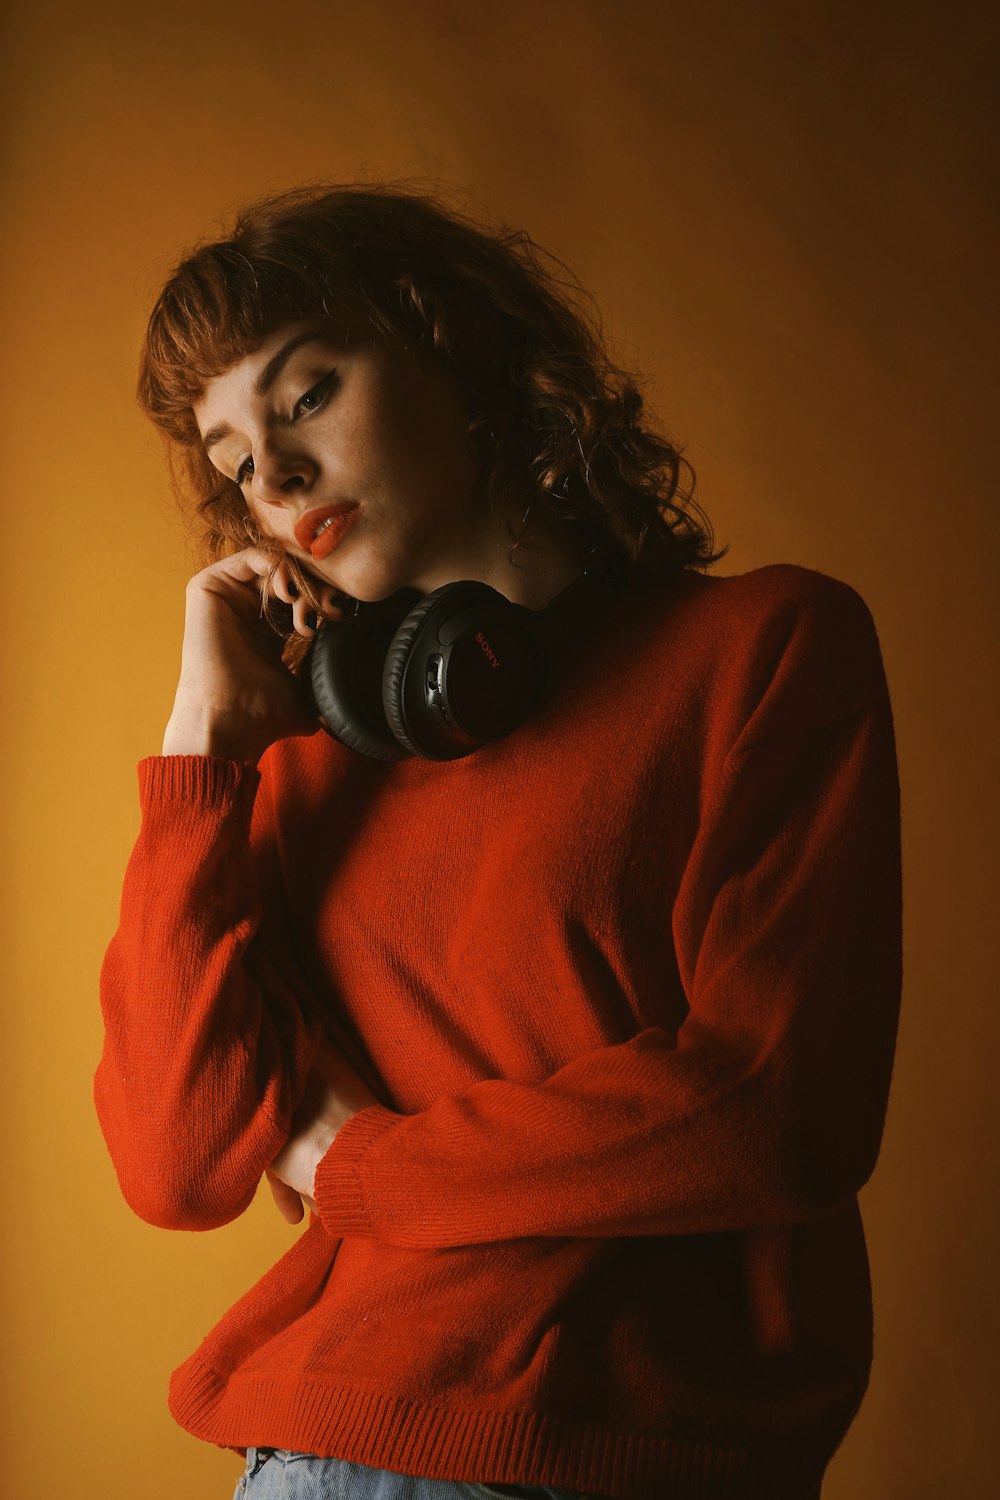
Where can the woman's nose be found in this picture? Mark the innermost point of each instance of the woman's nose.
(279, 473)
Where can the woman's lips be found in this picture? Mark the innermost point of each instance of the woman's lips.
(338, 517)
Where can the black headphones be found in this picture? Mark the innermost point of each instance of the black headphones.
(434, 675)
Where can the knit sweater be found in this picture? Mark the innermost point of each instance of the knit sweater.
(626, 984)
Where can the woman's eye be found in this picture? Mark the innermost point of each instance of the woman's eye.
(315, 397)
(241, 472)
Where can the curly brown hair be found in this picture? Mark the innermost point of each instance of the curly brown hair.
(557, 424)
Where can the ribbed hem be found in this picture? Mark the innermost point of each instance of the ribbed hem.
(337, 1189)
(204, 779)
(491, 1447)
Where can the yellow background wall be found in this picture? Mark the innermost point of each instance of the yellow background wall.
(782, 209)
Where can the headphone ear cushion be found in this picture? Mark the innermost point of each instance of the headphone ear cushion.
(345, 674)
(394, 665)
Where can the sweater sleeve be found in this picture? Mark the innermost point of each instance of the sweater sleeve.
(768, 1104)
(208, 1034)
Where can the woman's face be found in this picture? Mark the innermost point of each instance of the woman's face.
(332, 413)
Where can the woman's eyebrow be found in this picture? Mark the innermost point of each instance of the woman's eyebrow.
(274, 366)
(266, 378)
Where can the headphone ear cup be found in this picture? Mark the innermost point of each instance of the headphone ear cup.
(345, 675)
(446, 689)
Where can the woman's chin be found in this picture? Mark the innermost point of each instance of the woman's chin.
(368, 585)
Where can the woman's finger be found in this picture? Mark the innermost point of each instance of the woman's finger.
(246, 566)
(287, 1199)
(283, 587)
(333, 602)
(305, 620)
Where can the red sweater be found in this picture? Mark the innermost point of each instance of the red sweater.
(628, 985)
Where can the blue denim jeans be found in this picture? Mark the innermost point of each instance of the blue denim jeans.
(277, 1474)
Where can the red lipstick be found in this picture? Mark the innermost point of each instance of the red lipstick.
(319, 531)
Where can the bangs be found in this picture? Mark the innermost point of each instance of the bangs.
(217, 307)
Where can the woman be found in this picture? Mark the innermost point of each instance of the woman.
(574, 1033)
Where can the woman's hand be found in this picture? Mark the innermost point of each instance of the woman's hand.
(235, 695)
(334, 1093)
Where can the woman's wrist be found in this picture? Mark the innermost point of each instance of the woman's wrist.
(211, 734)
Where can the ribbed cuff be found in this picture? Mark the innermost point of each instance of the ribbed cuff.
(337, 1188)
(204, 779)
